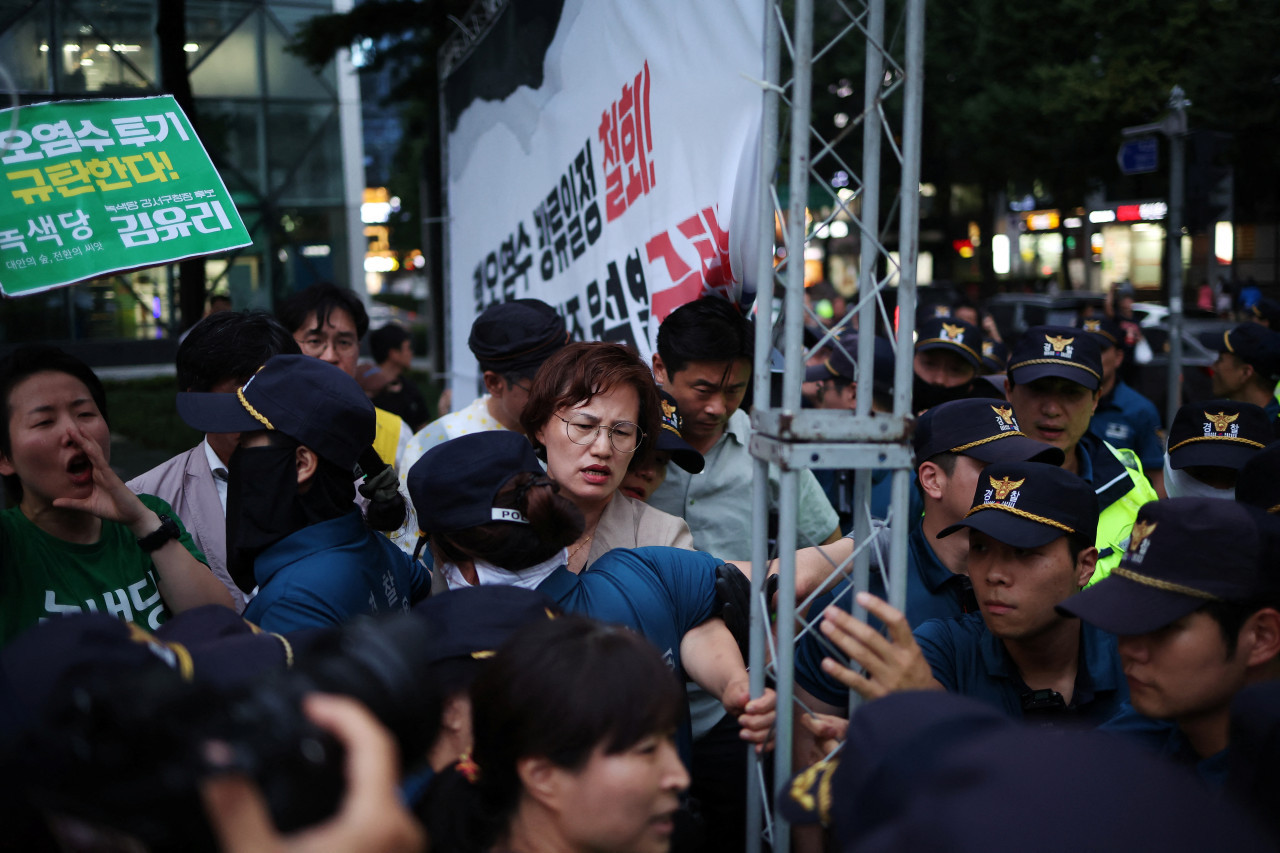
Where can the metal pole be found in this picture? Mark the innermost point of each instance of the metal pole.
(793, 351)
(872, 130)
(1177, 172)
(762, 395)
(908, 256)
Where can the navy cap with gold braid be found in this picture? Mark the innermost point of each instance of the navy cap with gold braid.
(985, 429)
(1220, 433)
(1029, 504)
(951, 334)
(890, 748)
(670, 438)
(1182, 554)
(315, 403)
(1060, 351)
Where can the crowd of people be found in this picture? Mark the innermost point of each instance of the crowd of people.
(338, 624)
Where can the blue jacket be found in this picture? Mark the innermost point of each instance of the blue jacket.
(327, 573)
(657, 591)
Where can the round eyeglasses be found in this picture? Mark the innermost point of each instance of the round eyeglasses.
(625, 437)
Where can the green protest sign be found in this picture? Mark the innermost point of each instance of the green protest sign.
(93, 187)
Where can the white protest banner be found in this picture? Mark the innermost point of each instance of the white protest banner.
(601, 156)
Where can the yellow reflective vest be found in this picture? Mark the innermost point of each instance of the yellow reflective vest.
(1122, 489)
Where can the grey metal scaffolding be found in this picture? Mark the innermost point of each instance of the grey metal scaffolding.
(786, 435)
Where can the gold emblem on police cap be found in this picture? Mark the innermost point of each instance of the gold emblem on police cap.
(668, 411)
(1093, 325)
(1220, 421)
(1058, 342)
(952, 332)
(1004, 413)
(1141, 530)
(1004, 486)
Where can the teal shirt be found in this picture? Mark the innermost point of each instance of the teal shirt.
(717, 503)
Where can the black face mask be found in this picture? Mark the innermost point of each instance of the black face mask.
(262, 506)
(926, 395)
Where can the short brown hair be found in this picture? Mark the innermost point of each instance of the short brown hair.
(580, 371)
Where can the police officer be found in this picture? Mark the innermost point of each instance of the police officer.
(1124, 418)
(1248, 366)
(953, 443)
(1209, 442)
(930, 772)
(493, 517)
(1031, 530)
(1053, 380)
(1196, 605)
(1258, 482)
(947, 363)
(838, 387)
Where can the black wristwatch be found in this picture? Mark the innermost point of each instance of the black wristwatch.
(154, 540)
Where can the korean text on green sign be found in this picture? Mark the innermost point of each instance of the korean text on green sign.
(93, 187)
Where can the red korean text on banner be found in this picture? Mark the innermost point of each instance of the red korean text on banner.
(627, 139)
(713, 272)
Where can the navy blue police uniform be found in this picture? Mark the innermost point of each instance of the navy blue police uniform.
(978, 428)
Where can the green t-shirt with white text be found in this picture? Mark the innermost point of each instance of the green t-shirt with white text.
(42, 576)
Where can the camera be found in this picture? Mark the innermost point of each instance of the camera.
(127, 754)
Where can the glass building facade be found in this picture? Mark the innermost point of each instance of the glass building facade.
(279, 133)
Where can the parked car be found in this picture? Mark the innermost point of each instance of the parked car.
(1014, 313)
(1155, 314)
(1197, 361)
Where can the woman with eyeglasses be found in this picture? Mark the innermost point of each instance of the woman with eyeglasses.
(593, 411)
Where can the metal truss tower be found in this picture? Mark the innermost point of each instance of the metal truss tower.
(880, 203)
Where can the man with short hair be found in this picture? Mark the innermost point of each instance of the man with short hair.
(1258, 481)
(1266, 312)
(220, 353)
(1123, 417)
(328, 323)
(837, 388)
(510, 340)
(1053, 380)
(704, 361)
(1248, 366)
(1196, 606)
(392, 349)
(1031, 530)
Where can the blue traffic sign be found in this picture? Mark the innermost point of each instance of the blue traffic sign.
(1139, 156)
